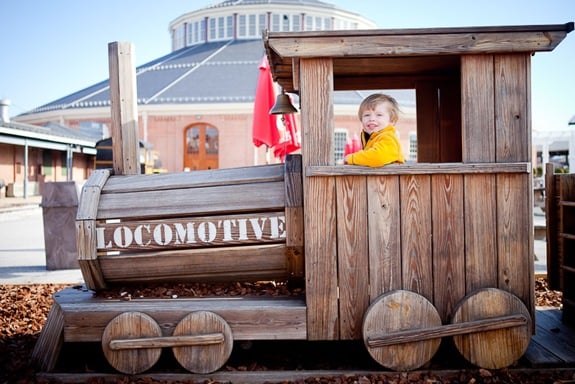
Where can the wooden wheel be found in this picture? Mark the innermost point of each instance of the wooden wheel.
(394, 312)
(131, 326)
(498, 348)
(208, 356)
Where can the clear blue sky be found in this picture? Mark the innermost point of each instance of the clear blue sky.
(51, 48)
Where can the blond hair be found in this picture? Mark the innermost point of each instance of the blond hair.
(371, 101)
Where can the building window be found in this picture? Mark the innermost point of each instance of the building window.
(179, 36)
(221, 28)
(212, 29)
(252, 26)
(309, 23)
(202, 31)
(340, 139)
(296, 22)
(263, 22)
(230, 27)
(64, 162)
(286, 23)
(211, 140)
(242, 27)
(275, 27)
(47, 162)
(190, 32)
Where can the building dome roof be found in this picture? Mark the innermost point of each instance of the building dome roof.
(219, 63)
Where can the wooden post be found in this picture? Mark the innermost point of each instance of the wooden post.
(123, 97)
(294, 216)
(320, 248)
(552, 217)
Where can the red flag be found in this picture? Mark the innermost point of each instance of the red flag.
(264, 128)
(292, 141)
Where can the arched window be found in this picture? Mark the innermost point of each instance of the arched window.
(201, 147)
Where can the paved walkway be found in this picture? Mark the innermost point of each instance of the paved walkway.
(22, 247)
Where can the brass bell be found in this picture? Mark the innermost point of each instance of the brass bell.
(282, 105)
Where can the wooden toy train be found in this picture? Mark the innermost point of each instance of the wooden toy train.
(400, 256)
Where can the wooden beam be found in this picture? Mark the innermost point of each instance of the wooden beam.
(123, 99)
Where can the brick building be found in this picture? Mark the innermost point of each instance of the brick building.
(203, 91)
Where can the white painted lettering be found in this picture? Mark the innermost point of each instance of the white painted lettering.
(184, 235)
(163, 237)
(123, 237)
(243, 228)
(138, 238)
(227, 226)
(101, 239)
(277, 227)
(174, 234)
(207, 232)
(258, 230)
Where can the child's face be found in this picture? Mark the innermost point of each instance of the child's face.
(373, 120)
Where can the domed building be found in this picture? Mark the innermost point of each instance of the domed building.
(196, 104)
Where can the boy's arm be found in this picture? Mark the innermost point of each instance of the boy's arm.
(381, 153)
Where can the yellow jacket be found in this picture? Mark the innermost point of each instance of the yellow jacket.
(381, 149)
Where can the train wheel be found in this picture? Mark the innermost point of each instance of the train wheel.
(498, 348)
(204, 357)
(129, 326)
(399, 311)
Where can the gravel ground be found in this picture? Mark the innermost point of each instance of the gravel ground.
(24, 308)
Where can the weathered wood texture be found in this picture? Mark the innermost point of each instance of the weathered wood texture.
(567, 205)
(59, 206)
(123, 100)
(260, 318)
(498, 348)
(553, 344)
(204, 356)
(352, 254)
(51, 340)
(440, 235)
(86, 228)
(319, 201)
(512, 107)
(478, 108)
(515, 237)
(131, 325)
(553, 227)
(294, 216)
(379, 50)
(401, 311)
(496, 108)
(197, 226)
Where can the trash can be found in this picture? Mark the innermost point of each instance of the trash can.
(59, 207)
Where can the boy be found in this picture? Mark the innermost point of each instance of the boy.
(378, 113)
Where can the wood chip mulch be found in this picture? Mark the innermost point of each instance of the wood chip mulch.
(24, 308)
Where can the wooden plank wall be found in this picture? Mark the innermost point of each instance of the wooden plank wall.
(496, 127)
(553, 227)
(319, 200)
(191, 226)
(440, 235)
